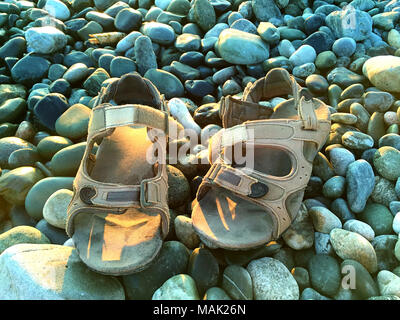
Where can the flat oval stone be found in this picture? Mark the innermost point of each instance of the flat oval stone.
(378, 217)
(340, 158)
(172, 260)
(365, 286)
(10, 144)
(41, 191)
(55, 208)
(48, 109)
(166, 83)
(216, 293)
(37, 266)
(384, 246)
(386, 162)
(21, 234)
(12, 109)
(178, 287)
(204, 269)
(238, 47)
(360, 227)
(272, 280)
(324, 220)
(351, 245)
(185, 233)
(77, 72)
(23, 157)
(357, 140)
(334, 187)
(16, 183)
(73, 123)
(66, 161)
(160, 33)
(50, 145)
(236, 281)
(325, 276)
(360, 184)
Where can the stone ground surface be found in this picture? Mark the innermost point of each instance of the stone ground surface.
(344, 243)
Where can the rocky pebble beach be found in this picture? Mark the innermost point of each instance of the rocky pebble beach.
(56, 55)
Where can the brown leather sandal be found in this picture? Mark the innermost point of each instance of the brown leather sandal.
(241, 206)
(119, 215)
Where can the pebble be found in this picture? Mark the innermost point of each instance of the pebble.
(304, 54)
(178, 287)
(378, 217)
(341, 158)
(57, 9)
(396, 223)
(300, 234)
(166, 82)
(185, 233)
(324, 220)
(344, 47)
(236, 281)
(21, 234)
(172, 260)
(45, 40)
(240, 47)
(216, 293)
(30, 69)
(55, 208)
(384, 246)
(389, 283)
(36, 265)
(160, 33)
(351, 245)
(383, 73)
(325, 275)
(360, 227)
(75, 73)
(73, 123)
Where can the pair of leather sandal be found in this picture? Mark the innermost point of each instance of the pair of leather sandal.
(119, 214)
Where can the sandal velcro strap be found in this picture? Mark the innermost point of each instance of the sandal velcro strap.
(236, 180)
(107, 116)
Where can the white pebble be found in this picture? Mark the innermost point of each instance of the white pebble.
(303, 54)
(396, 223)
(57, 9)
(181, 113)
(390, 117)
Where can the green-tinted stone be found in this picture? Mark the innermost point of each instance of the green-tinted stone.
(204, 269)
(10, 144)
(376, 126)
(387, 162)
(204, 14)
(172, 260)
(239, 47)
(167, 83)
(236, 281)
(302, 277)
(334, 187)
(364, 285)
(334, 92)
(181, 7)
(362, 116)
(216, 293)
(384, 191)
(94, 81)
(384, 246)
(378, 217)
(21, 234)
(7, 129)
(73, 123)
(12, 109)
(325, 274)
(23, 157)
(10, 91)
(345, 118)
(66, 161)
(41, 191)
(49, 146)
(322, 167)
(16, 183)
(179, 287)
(325, 60)
(91, 27)
(357, 140)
